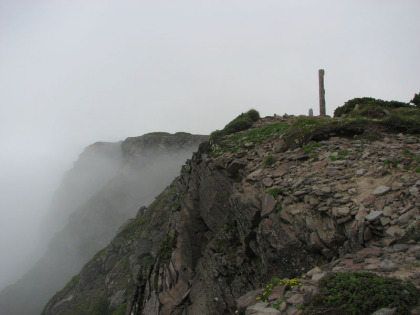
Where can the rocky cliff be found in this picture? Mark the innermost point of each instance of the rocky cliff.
(271, 202)
(106, 187)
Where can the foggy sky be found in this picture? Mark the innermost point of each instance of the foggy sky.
(76, 72)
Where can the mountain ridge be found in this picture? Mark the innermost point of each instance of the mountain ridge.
(287, 197)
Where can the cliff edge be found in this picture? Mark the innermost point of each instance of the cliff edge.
(259, 216)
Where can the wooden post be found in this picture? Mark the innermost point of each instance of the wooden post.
(321, 73)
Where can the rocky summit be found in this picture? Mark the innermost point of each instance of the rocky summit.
(284, 216)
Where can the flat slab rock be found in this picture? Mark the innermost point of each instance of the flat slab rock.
(381, 190)
(369, 252)
(247, 299)
(261, 308)
(374, 215)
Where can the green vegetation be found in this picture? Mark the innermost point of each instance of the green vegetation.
(404, 120)
(165, 248)
(408, 160)
(134, 225)
(269, 160)
(366, 105)
(100, 306)
(239, 140)
(277, 304)
(341, 155)
(275, 192)
(416, 100)
(304, 129)
(157, 133)
(242, 122)
(364, 293)
(181, 133)
(268, 288)
(120, 310)
(365, 123)
(278, 209)
(228, 240)
(310, 147)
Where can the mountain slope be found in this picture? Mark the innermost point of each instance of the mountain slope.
(275, 200)
(129, 174)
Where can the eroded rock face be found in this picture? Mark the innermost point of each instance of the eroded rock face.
(222, 233)
(123, 176)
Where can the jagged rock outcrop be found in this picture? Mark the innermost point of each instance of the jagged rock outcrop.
(124, 176)
(257, 210)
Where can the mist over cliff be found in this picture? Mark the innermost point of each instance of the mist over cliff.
(105, 187)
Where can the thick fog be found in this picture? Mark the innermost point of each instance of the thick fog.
(105, 188)
(76, 72)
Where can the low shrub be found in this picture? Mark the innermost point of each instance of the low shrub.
(269, 160)
(364, 293)
(416, 100)
(290, 284)
(275, 192)
(158, 133)
(242, 122)
(404, 120)
(348, 106)
(309, 147)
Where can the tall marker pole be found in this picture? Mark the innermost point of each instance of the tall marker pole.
(321, 73)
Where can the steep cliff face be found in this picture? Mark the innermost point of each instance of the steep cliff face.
(246, 211)
(106, 187)
(95, 167)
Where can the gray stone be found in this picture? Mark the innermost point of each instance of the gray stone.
(387, 266)
(352, 191)
(261, 308)
(397, 248)
(397, 186)
(388, 211)
(247, 299)
(318, 276)
(255, 174)
(405, 218)
(280, 147)
(296, 299)
(369, 252)
(235, 166)
(277, 293)
(362, 213)
(314, 271)
(279, 172)
(385, 311)
(299, 193)
(268, 205)
(360, 172)
(365, 155)
(394, 230)
(319, 165)
(381, 190)
(341, 212)
(385, 220)
(414, 191)
(374, 215)
(267, 182)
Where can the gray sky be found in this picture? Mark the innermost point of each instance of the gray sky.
(76, 72)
